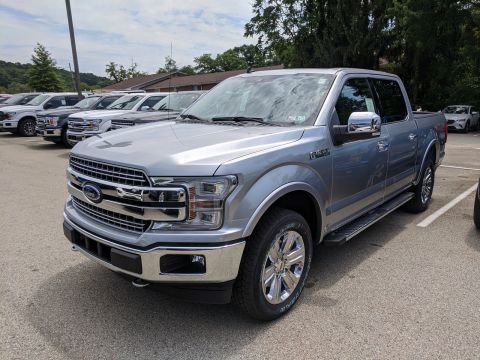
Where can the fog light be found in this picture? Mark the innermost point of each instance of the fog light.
(183, 264)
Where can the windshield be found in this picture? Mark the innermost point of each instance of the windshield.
(126, 102)
(38, 100)
(176, 102)
(293, 99)
(20, 99)
(87, 102)
(456, 110)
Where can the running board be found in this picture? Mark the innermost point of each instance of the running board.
(348, 231)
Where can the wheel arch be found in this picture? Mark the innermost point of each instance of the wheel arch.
(432, 149)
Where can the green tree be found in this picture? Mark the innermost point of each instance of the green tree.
(188, 69)
(42, 75)
(170, 66)
(119, 73)
(205, 64)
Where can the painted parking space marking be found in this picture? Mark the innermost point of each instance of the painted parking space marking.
(430, 219)
(459, 167)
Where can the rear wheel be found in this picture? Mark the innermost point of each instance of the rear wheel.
(26, 127)
(423, 190)
(275, 265)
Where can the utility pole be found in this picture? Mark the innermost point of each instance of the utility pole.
(74, 47)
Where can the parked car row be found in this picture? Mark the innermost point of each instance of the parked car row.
(67, 119)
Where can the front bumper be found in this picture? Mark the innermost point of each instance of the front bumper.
(222, 261)
(456, 125)
(53, 132)
(7, 125)
(77, 137)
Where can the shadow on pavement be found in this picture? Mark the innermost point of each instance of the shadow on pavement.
(473, 238)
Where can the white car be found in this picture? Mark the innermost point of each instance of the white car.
(22, 118)
(461, 117)
(85, 124)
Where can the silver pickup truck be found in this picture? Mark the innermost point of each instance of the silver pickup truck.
(227, 202)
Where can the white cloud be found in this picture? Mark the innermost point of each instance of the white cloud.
(119, 30)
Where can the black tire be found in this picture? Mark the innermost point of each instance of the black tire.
(466, 129)
(421, 200)
(249, 293)
(64, 140)
(26, 127)
(476, 209)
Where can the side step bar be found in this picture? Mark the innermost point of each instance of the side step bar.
(348, 231)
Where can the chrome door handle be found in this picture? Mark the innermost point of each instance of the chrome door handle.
(412, 137)
(382, 146)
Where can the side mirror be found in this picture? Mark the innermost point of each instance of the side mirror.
(361, 126)
(145, 108)
(475, 113)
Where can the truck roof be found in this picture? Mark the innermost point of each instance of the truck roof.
(330, 71)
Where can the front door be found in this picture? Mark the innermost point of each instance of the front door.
(360, 166)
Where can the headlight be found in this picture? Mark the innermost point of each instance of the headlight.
(206, 200)
(93, 124)
(461, 120)
(51, 120)
(10, 115)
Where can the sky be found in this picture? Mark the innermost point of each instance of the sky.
(122, 30)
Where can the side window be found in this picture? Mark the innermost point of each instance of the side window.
(152, 100)
(102, 104)
(355, 96)
(55, 102)
(72, 100)
(392, 103)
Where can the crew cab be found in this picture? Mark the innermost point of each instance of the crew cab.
(19, 99)
(166, 109)
(227, 202)
(85, 124)
(22, 118)
(461, 117)
(53, 124)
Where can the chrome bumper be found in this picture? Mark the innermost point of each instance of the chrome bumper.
(74, 137)
(222, 261)
(49, 132)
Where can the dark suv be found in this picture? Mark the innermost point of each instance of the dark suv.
(53, 124)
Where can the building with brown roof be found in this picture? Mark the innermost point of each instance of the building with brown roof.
(198, 81)
(141, 82)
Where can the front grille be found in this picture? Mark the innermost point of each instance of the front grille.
(113, 173)
(78, 125)
(117, 220)
(117, 124)
(451, 121)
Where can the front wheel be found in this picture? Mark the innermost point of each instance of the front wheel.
(466, 129)
(275, 265)
(476, 209)
(423, 190)
(27, 127)
(65, 140)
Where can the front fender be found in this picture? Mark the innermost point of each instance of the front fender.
(259, 196)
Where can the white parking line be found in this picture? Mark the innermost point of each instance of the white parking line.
(459, 167)
(428, 220)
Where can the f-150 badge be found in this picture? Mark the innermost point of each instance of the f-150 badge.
(319, 153)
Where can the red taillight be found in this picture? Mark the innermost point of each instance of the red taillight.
(446, 131)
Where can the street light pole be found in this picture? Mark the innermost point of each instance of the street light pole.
(74, 47)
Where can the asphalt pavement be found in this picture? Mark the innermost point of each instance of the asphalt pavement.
(397, 290)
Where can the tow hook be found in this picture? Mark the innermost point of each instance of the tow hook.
(74, 248)
(139, 283)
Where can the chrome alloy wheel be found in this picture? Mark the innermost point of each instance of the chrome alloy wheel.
(283, 266)
(29, 128)
(427, 185)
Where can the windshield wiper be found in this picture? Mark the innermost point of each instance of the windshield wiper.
(241, 118)
(191, 116)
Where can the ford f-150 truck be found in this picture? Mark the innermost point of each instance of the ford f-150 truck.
(229, 199)
(53, 124)
(83, 125)
(166, 109)
(22, 118)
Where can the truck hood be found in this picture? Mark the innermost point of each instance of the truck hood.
(20, 108)
(65, 110)
(456, 116)
(144, 117)
(183, 149)
(100, 114)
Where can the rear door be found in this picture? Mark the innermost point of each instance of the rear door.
(402, 130)
(360, 166)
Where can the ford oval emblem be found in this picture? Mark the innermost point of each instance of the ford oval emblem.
(92, 192)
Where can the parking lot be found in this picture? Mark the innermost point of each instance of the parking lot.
(398, 290)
